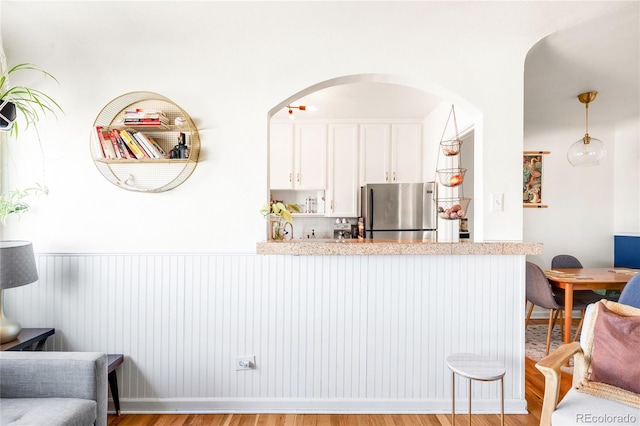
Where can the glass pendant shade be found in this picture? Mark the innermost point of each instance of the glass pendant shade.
(583, 153)
(587, 151)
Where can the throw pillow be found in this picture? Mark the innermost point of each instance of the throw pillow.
(611, 353)
(616, 346)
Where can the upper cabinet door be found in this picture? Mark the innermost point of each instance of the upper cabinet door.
(281, 171)
(311, 156)
(375, 153)
(343, 170)
(406, 152)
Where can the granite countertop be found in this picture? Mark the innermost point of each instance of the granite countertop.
(394, 247)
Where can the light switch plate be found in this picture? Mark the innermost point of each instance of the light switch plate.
(497, 202)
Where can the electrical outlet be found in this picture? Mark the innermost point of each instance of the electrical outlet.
(244, 363)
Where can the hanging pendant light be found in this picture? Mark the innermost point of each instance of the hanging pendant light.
(587, 151)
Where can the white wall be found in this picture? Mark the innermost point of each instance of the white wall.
(586, 205)
(228, 64)
(626, 179)
(579, 217)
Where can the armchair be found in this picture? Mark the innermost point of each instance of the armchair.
(594, 403)
(53, 388)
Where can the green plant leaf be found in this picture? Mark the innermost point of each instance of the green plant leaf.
(31, 103)
(13, 202)
(280, 209)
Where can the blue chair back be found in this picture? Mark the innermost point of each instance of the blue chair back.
(631, 293)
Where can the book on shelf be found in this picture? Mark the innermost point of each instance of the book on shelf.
(124, 149)
(116, 148)
(141, 117)
(106, 146)
(101, 142)
(132, 144)
(142, 123)
(146, 145)
(153, 145)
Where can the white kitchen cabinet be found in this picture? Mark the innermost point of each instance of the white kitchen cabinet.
(311, 156)
(298, 156)
(343, 170)
(406, 152)
(281, 156)
(375, 156)
(391, 153)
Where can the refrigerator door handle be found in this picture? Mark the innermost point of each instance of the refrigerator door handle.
(371, 207)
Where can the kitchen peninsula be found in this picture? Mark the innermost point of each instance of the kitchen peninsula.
(383, 316)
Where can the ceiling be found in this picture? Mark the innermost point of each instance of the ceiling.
(603, 56)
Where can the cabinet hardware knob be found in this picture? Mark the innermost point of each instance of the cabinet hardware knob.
(386, 176)
(298, 177)
(290, 177)
(394, 176)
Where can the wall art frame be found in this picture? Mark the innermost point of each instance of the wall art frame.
(533, 179)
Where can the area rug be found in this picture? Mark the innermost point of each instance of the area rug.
(536, 341)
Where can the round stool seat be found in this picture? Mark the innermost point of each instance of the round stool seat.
(476, 367)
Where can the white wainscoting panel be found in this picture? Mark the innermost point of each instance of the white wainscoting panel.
(329, 333)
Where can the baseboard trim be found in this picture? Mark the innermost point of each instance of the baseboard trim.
(314, 406)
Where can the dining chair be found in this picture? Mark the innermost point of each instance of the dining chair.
(631, 292)
(540, 293)
(565, 261)
(569, 261)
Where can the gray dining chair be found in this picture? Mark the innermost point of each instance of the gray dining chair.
(569, 261)
(540, 293)
(565, 261)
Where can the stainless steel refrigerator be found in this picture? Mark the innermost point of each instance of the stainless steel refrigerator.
(399, 211)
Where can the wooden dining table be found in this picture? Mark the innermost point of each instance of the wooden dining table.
(571, 279)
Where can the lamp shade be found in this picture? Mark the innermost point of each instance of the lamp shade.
(582, 153)
(17, 264)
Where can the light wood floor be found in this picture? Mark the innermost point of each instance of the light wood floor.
(534, 385)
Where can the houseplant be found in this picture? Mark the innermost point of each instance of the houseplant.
(14, 203)
(31, 103)
(279, 215)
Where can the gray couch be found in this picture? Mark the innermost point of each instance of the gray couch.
(53, 388)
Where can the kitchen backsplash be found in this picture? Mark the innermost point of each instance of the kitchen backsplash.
(320, 227)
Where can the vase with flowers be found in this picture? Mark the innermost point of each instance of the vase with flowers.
(279, 216)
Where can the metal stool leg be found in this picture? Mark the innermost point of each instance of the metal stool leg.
(502, 400)
(453, 399)
(469, 402)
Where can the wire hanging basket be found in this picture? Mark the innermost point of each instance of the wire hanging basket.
(451, 177)
(453, 208)
(451, 147)
(452, 174)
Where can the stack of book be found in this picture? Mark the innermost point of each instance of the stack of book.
(140, 117)
(126, 144)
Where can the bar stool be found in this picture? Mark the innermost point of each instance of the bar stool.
(475, 367)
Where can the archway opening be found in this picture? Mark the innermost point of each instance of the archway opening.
(349, 107)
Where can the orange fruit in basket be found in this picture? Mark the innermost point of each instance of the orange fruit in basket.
(455, 180)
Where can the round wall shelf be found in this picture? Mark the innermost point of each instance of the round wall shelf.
(150, 167)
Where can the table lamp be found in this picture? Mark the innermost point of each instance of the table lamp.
(17, 268)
